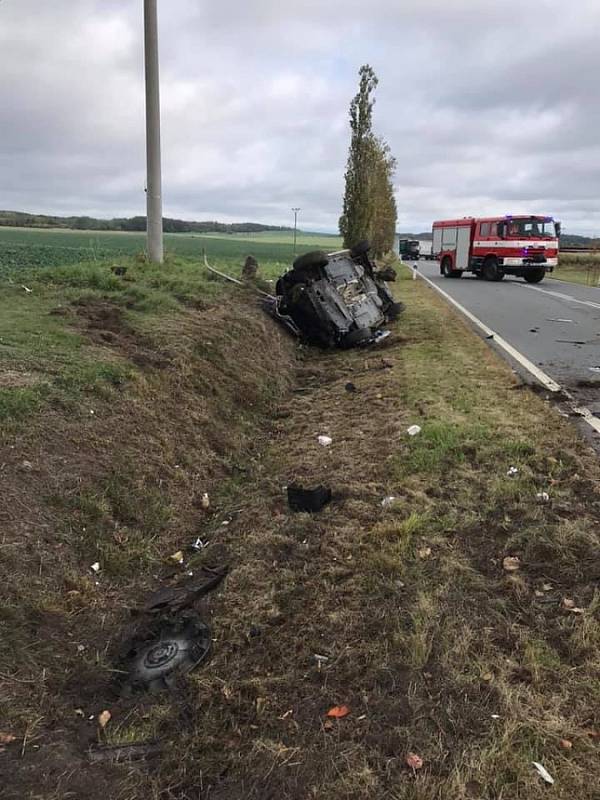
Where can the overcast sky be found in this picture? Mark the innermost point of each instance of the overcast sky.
(489, 107)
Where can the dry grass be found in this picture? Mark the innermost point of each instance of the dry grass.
(433, 646)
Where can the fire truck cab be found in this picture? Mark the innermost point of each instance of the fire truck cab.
(492, 247)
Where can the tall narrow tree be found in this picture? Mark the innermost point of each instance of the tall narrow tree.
(355, 220)
(382, 203)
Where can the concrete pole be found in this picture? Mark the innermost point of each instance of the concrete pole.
(154, 180)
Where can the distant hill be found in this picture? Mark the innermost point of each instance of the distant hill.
(20, 219)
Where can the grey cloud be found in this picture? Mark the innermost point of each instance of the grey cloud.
(487, 107)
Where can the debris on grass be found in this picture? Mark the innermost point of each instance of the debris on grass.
(388, 501)
(7, 738)
(542, 497)
(325, 441)
(104, 718)
(424, 552)
(338, 712)
(511, 563)
(543, 772)
(512, 472)
(311, 500)
(184, 594)
(413, 430)
(124, 752)
(177, 557)
(350, 387)
(205, 501)
(158, 655)
(565, 744)
(569, 605)
(95, 567)
(414, 761)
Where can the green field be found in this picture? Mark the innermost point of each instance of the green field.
(23, 248)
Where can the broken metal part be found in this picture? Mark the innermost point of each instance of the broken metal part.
(311, 500)
(124, 752)
(154, 661)
(182, 595)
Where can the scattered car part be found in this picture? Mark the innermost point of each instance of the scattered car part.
(325, 441)
(183, 595)
(173, 648)
(311, 500)
(123, 752)
(334, 299)
(350, 387)
(413, 430)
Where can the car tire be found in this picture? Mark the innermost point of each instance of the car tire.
(394, 311)
(357, 337)
(313, 260)
(360, 249)
(534, 275)
(491, 270)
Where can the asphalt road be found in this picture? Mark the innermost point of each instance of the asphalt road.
(555, 324)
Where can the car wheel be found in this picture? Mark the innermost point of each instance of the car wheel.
(534, 275)
(357, 337)
(491, 270)
(313, 260)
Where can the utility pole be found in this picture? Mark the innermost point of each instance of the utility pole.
(295, 210)
(154, 223)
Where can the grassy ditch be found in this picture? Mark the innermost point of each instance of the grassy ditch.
(433, 646)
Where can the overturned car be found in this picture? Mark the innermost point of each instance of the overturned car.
(335, 299)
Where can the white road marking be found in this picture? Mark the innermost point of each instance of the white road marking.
(537, 373)
(562, 296)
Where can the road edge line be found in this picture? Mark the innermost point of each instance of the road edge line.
(537, 373)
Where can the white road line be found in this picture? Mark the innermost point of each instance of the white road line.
(537, 373)
(562, 296)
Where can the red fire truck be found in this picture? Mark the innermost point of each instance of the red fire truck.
(492, 247)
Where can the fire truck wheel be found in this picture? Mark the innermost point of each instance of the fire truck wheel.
(534, 275)
(491, 270)
(447, 268)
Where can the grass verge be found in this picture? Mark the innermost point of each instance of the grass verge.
(435, 648)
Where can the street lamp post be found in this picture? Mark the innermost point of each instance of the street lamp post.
(295, 210)
(154, 222)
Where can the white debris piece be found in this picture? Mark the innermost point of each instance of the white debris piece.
(542, 497)
(324, 440)
(512, 472)
(388, 501)
(95, 567)
(543, 772)
(414, 430)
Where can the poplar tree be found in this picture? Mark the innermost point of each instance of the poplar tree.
(369, 205)
(382, 203)
(354, 223)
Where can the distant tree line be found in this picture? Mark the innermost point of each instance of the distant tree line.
(369, 205)
(19, 219)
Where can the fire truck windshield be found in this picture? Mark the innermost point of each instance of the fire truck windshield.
(531, 228)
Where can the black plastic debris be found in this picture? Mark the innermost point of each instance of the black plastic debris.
(119, 271)
(183, 595)
(350, 387)
(312, 500)
(155, 660)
